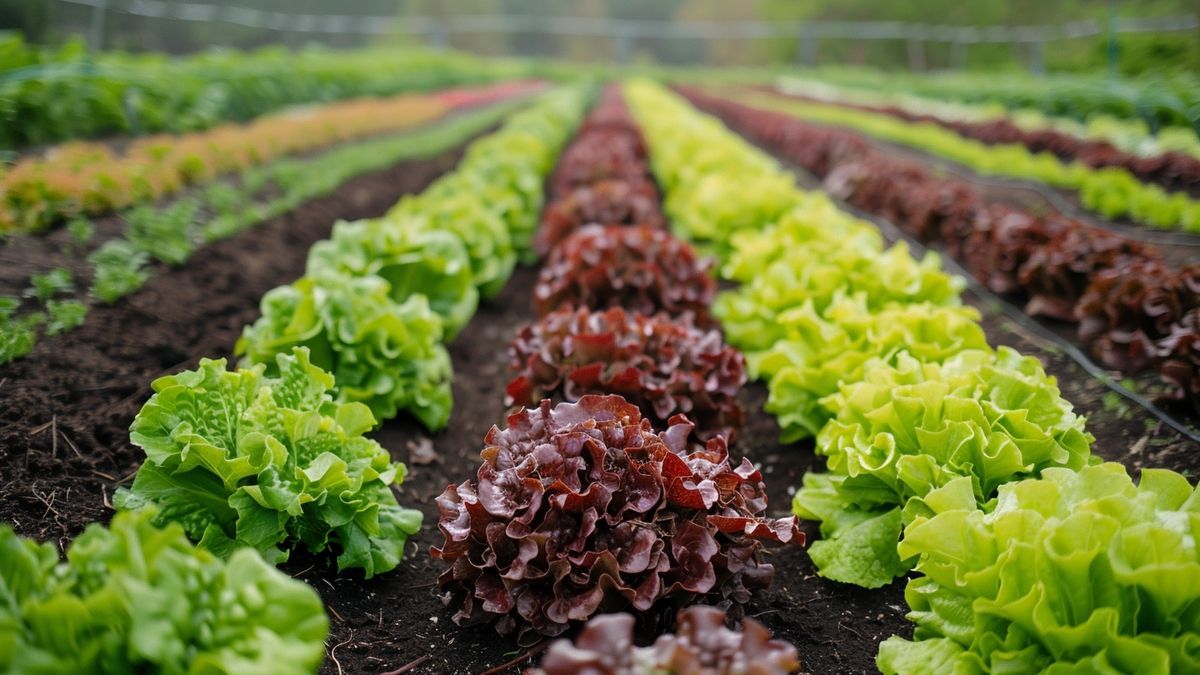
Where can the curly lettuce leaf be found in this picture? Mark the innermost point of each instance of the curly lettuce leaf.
(385, 354)
(411, 259)
(823, 271)
(823, 351)
(911, 428)
(137, 598)
(1078, 571)
(238, 458)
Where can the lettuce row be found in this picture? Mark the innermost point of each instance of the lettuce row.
(270, 462)
(907, 429)
(1110, 191)
(863, 346)
(380, 296)
(1075, 572)
(136, 598)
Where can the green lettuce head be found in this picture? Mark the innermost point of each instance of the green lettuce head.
(385, 354)
(134, 598)
(1075, 572)
(241, 459)
(911, 428)
(412, 259)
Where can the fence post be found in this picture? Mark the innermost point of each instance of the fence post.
(624, 44)
(96, 32)
(916, 55)
(958, 55)
(1037, 57)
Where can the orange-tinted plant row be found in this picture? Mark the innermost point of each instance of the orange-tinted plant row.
(93, 178)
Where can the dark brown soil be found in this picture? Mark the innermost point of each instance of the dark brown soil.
(65, 409)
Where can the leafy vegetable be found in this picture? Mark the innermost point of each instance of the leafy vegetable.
(385, 354)
(64, 315)
(241, 459)
(47, 285)
(136, 598)
(607, 202)
(908, 429)
(580, 506)
(17, 334)
(120, 269)
(663, 366)
(412, 259)
(700, 644)
(1079, 571)
(822, 351)
(640, 268)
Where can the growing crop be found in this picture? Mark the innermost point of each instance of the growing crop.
(451, 205)
(385, 354)
(136, 598)
(241, 459)
(908, 429)
(120, 269)
(700, 644)
(819, 273)
(1079, 571)
(641, 268)
(47, 285)
(411, 258)
(663, 366)
(64, 315)
(17, 334)
(607, 202)
(580, 508)
(823, 350)
(164, 234)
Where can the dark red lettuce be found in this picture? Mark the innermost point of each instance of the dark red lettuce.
(640, 268)
(665, 367)
(581, 508)
(607, 202)
(701, 644)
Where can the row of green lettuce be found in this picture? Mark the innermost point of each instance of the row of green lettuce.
(51, 94)
(944, 455)
(1113, 192)
(253, 463)
(1131, 135)
(58, 302)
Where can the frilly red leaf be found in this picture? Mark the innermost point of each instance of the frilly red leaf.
(581, 507)
(700, 644)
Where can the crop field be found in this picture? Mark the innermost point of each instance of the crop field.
(412, 361)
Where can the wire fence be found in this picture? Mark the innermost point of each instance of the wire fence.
(439, 31)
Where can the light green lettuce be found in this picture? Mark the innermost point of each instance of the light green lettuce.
(385, 354)
(241, 459)
(1078, 572)
(912, 427)
(134, 598)
(822, 271)
(412, 259)
(822, 351)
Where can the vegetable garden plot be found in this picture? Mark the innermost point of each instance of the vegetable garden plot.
(581, 504)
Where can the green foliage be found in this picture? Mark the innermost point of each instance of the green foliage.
(900, 431)
(120, 269)
(17, 335)
(241, 459)
(57, 94)
(165, 234)
(136, 598)
(410, 257)
(64, 315)
(81, 230)
(385, 354)
(47, 285)
(1077, 572)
